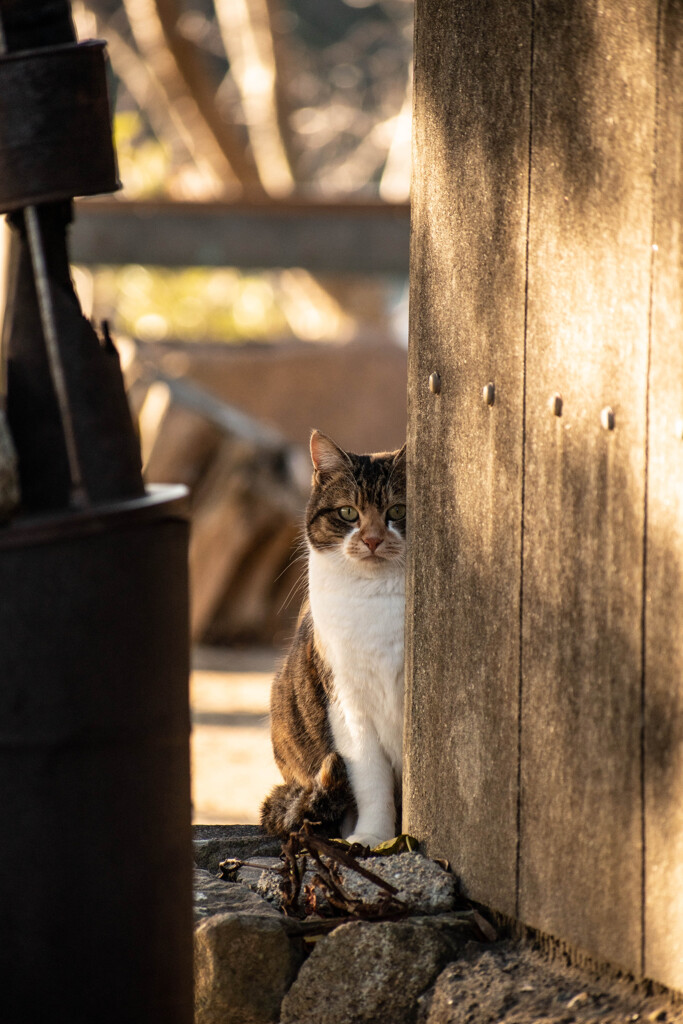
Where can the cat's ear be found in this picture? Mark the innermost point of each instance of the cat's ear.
(326, 456)
(400, 456)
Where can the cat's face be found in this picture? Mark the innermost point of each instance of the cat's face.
(357, 506)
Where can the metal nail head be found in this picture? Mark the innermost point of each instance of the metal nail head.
(555, 404)
(607, 418)
(489, 393)
(434, 383)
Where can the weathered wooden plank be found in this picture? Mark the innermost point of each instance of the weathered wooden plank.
(467, 322)
(353, 237)
(664, 566)
(589, 259)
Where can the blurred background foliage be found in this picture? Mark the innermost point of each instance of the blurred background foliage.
(206, 304)
(258, 97)
(254, 100)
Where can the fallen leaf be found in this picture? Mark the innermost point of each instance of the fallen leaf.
(484, 926)
(399, 844)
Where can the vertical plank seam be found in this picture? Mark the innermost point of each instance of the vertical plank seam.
(643, 606)
(520, 681)
(412, 414)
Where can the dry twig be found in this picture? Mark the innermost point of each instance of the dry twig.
(327, 857)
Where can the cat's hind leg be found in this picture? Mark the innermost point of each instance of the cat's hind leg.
(324, 803)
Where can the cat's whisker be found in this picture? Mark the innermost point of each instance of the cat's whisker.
(297, 587)
(292, 561)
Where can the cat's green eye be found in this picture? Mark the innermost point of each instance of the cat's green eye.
(396, 512)
(348, 514)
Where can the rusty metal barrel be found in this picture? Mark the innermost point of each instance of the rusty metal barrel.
(55, 140)
(95, 852)
(95, 870)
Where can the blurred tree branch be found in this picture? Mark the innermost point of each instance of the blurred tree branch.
(215, 145)
(247, 35)
(263, 97)
(145, 89)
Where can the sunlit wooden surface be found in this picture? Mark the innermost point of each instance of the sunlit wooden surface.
(232, 761)
(351, 236)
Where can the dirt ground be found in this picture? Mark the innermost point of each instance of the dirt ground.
(232, 761)
(511, 982)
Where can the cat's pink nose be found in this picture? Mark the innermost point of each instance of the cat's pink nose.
(372, 542)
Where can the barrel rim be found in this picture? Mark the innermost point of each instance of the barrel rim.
(160, 502)
(58, 50)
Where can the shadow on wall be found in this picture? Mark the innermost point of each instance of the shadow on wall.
(564, 852)
(561, 711)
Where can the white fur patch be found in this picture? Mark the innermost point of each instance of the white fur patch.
(358, 612)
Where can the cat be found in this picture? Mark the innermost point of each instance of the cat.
(337, 701)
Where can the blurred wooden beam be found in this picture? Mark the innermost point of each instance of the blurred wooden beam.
(364, 237)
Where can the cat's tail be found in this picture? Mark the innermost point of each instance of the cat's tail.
(324, 804)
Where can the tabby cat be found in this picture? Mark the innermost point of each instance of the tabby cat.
(337, 701)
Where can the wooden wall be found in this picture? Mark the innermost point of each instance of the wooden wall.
(544, 729)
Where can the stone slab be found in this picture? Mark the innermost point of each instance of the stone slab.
(214, 843)
(383, 969)
(244, 964)
(214, 896)
(423, 885)
(237, 833)
(513, 983)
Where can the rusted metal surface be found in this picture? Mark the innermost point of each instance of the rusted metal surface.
(95, 893)
(40, 23)
(94, 741)
(55, 140)
(107, 448)
(51, 527)
(65, 401)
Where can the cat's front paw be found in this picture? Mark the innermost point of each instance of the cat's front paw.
(366, 839)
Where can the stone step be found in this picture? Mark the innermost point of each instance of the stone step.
(254, 965)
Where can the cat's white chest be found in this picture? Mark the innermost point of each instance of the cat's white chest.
(359, 624)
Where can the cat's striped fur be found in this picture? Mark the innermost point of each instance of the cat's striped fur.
(337, 701)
